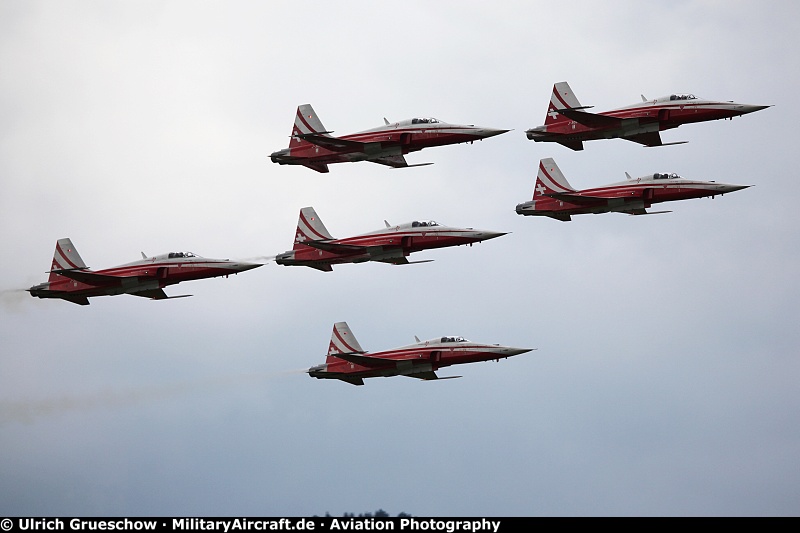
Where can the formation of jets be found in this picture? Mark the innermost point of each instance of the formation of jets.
(311, 145)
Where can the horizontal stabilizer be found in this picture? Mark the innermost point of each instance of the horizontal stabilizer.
(333, 144)
(575, 198)
(352, 381)
(91, 278)
(404, 261)
(319, 167)
(80, 300)
(591, 119)
(334, 247)
(364, 360)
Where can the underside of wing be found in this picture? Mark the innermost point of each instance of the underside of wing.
(572, 145)
(394, 161)
(153, 294)
(652, 138)
(80, 300)
(428, 376)
(591, 119)
(319, 167)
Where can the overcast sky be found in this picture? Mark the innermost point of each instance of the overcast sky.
(665, 380)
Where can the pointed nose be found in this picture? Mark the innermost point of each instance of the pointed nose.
(725, 188)
(486, 235)
(242, 266)
(485, 133)
(508, 351)
(746, 108)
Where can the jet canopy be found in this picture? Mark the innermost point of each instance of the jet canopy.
(678, 96)
(672, 176)
(424, 223)
(428, 120)
(176, 255)
(453, 339)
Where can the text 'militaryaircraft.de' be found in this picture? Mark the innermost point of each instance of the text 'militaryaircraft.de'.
(313, 146)
(568, 123)
(554, 197)
(347, 361)
(315, 247)
(70, 279)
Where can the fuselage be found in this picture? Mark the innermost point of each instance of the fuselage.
(424, 356)
(627, 196)
(394, 139)
(646, 117)
(383, 245)
(146, 274)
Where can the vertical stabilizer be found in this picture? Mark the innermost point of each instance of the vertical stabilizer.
(562, 98)
(310, 228)
(305, 121)
(550, 179)
(66, 257)
(342, 341)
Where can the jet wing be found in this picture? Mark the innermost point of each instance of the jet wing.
(592, 120)
(396, 161)
(651, 139)
(92, 278)
(158, 294)
(428, 376)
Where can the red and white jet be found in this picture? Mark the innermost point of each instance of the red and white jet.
(568, 124)
(347, 361)
(554, 197)
(311, 145)
(70, 279)
(316, 248)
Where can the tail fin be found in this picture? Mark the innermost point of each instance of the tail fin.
(310, 228)
(65, 257)
(342, 341)
(562, 98)
(305, 121)
(550, 179)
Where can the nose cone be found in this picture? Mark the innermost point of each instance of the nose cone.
(508, 351)
(241, 266)
(482, 235)
(725, 187)
(485, 133)
(746, 108)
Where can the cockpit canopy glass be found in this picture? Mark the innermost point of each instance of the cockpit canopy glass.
(424, 223)
(672, 176)
(683, 97)
(424, 121)
(178, 255)
(454, 339)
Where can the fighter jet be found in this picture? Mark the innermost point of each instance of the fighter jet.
(71, 280)
(316, 248)
(313, 146)
(347, 361)
(568, 123)
(554, 197)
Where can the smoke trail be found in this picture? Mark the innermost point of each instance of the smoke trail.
(28, 411)
(14, 299)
